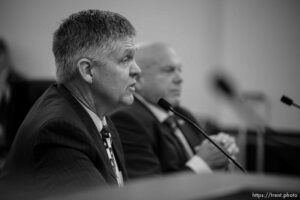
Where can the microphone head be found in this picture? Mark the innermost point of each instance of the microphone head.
(164, 104)
(224, 86)
(286, 100)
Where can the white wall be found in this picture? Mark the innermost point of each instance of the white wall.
(256, 41)
(261, 49)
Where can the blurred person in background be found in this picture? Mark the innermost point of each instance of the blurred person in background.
(11, 111)
(156, 142)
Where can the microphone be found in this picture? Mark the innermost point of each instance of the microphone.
(225, 87)
(286, 100)
(168, 107)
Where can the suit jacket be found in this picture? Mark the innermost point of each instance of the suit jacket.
(58, 146)
(150, 147)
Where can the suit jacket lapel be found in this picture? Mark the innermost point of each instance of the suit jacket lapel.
(89, 124)
(165, 131)
(170, 136)
(191, 136)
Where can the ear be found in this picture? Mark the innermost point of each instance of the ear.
(85, 69)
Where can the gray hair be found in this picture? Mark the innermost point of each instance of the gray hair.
(82, 33)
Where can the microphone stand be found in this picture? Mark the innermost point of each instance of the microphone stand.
(164, 104)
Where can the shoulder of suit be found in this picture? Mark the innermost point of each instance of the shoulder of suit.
(133, 113)
(52, 105)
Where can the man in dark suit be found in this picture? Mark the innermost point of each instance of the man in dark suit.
(66, 141)
(152, 145)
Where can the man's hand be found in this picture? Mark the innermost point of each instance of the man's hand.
(227, 142)
(211, 155)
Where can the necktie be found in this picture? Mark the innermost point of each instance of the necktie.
(171, 122)
(107, 141)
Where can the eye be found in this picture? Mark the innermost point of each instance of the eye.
(169, 69)
(127, 59)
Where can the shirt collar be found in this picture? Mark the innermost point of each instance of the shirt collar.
(159, 113)
(97, 121)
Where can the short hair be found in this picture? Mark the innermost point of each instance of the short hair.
(83, 32)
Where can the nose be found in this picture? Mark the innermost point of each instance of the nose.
(135, 70)
(178, 77)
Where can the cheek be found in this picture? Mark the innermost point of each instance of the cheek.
(115, 79)
(158, 90)
(162, 85)
(121, 82)
(107, 84)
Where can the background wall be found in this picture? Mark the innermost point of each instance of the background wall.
(256, 42)
(261, 49)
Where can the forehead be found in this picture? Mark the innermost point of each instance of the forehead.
(123, 46)
(167, 58)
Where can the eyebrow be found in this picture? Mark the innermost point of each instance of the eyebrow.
(119, 54)
(129, 51)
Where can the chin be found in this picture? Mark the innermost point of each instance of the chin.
(174, 101)
(128, 100)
